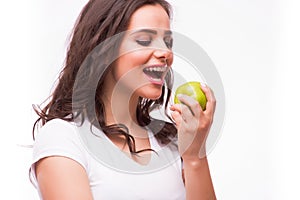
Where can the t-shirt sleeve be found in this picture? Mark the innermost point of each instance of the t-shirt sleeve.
(57, 138)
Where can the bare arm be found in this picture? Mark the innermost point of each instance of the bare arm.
(62, 178)
(193, 126)
(198, 181)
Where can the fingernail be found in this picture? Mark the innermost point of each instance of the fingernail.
(179, 95)
(203, 85)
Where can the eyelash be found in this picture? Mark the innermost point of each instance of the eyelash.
(169, 43)
(144, 42)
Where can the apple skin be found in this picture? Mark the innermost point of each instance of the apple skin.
(193, 90)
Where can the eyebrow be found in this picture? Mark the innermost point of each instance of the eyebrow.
(154, 32)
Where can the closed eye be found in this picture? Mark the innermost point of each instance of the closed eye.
(169, 42)
(144, 42)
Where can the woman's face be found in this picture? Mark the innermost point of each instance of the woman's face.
(145, 53)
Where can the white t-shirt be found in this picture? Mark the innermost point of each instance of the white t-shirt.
(112, 174)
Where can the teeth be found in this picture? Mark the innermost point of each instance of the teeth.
(156, 69)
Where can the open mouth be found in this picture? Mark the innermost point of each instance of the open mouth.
(156, 73)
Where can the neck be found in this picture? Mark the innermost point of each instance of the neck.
(120, 109)
(120, 104)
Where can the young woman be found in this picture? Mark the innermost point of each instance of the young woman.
(98, 140)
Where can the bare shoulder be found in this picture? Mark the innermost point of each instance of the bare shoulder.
(62, 178)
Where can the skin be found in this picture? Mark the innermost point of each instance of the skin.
(126, 81)
(193, 127)
(63, 178)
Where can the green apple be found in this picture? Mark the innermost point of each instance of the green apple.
(192, 89)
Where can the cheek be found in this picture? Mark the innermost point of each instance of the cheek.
(170, 60)
(129, 65)
(135, 58)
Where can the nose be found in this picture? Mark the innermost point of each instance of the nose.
(164, 54)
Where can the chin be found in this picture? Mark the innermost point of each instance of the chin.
(152, 93)
(154, 98)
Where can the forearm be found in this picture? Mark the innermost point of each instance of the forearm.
(198, 181)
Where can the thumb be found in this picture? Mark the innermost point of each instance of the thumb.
(176, 117)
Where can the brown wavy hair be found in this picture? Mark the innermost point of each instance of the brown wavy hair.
(88, 56)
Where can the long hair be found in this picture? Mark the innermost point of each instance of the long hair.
(98, 21)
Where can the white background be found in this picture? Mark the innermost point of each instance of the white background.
(255, 47)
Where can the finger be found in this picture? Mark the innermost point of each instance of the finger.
(210, 97)
(177, 118)
(182, 109)
(176, 107)
(191, 103)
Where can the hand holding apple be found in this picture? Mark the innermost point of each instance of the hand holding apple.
(192, 121)
(192, 89)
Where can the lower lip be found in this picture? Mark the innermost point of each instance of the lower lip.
(155, 81)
